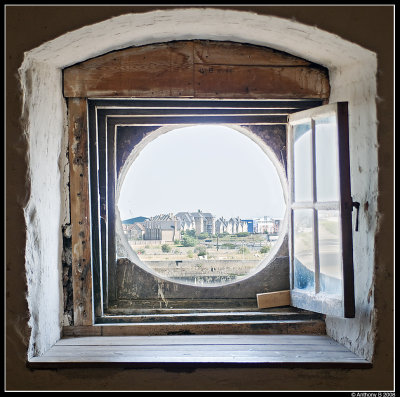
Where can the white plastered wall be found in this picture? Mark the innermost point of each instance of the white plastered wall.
(352, 77)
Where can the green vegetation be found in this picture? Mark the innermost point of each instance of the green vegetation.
(242, 234)
(265, 249)
(230, 246)
(239, 246)
(165, 248)
(243, 250)
(188, 241)
(201, 251)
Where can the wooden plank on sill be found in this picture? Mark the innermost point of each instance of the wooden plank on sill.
(268, 350)
(273, 299)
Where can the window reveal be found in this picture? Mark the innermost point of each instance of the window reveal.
(197, 80)
(103, 132)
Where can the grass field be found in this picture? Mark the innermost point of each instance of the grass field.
(251, 246)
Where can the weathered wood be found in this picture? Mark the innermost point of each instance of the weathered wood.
(171, 70)
(178, 340)
(229, 53)
(82, 330)
(230, 81)
(293, 327)
(222, 316)
(346, 210)
(273, 299)
(198, 70)
(233, 349)
(80, 222)
(151, 71)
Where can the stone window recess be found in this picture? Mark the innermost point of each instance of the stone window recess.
(352, 77)
(95, 124)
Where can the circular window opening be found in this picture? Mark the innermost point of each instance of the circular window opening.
(202, 205)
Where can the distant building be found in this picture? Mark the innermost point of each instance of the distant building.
(236, 225)
(267, 225)
(277, 225)
(162, 227)
(250, 225)
(168, 227)
(201, 222)
(198, 222)
(209, 222)
(186, 221)
(134, 228)
(221, 226)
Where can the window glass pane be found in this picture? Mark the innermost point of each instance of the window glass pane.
(326, 158)
(329, 252)
(303, 239)
(302, 162)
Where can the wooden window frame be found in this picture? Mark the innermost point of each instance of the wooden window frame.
(105, 116)
(325, 303)
(194, 69)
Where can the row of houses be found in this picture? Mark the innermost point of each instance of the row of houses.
(205, 222)
(264, 225)
(169, 227)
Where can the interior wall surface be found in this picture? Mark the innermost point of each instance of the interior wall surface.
(37, 203)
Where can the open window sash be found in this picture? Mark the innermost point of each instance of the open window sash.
(320, 238)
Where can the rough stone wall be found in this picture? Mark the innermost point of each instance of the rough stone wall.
(355, 83)
(44, 210)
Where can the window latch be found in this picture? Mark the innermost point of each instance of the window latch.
(356, 204)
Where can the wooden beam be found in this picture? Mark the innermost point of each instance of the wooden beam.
(273, 299)
(80, 222)
(259, 82)
(229, 53)
(200, 69)
(159, 70)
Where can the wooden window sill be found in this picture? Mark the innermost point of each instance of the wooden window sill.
(187, 352)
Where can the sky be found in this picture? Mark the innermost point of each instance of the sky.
(212, 168)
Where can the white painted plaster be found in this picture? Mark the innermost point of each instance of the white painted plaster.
(353, 78)
(356, 85)
(44, 125)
